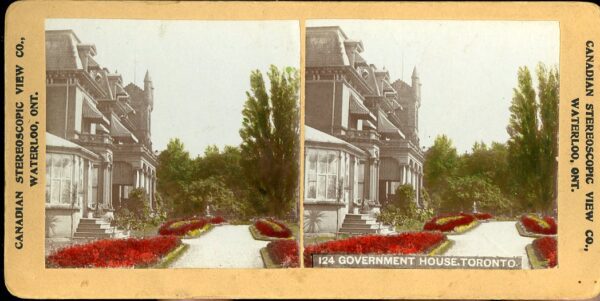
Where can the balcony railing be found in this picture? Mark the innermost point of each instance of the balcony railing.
(362, 134)
(95, 138)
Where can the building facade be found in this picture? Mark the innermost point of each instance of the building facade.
(98, 137)
(361, 135)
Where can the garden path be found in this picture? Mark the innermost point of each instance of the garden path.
(225, 246)
(494, 238)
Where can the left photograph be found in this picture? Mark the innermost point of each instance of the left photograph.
(172, 144)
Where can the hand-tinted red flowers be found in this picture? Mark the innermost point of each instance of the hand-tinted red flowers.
(482, 216)
(405, 243)
(535, 224)
(272, 228)
(545, 247)
(284, 252)
(113, 253)
(182, 226)
(447, 223)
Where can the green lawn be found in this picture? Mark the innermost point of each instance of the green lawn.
(316, 239)
(295, 228)
(148, 231)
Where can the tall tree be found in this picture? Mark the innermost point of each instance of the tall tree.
(269, 134)
(548, 87)
(532, 145)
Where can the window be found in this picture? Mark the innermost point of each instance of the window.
(359, 181)
(94, 184)
(126, 191)
(322, 174)
(64, 178)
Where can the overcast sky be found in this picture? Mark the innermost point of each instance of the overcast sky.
(468, 68)
(200, 69)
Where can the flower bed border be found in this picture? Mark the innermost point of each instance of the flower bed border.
(441, 248)
(203, 231)
(523, 231)
(534, 259)
(171, 257)
(206, 220)
(461, 228)
(464, 228)
(267, 260)
(258, 236)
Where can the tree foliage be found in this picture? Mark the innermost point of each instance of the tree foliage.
(503, 178)
(467, 192)
(441, 163)
(259, 177)
(187, 186)
(533, 129)
(270, 139)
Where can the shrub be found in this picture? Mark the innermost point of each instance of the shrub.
(482, 216)
(546, 247)
(284, 252)
(135, 212)
(112, 253)
(399, 218)
(404, 243)
(447, 223)
(272, 228)
(535, 224)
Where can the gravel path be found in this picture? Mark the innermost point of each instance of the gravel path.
(491, 239)
(226, 246)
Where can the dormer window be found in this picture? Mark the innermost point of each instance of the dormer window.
(364, 73)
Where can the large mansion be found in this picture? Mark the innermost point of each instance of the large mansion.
(361, 135)
(98, 139)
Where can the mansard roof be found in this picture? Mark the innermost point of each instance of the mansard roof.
(325, 46)
(61, 50)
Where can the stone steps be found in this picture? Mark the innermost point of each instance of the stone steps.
(94, 228)
(362, 224)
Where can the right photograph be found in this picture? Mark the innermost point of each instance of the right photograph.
(431, 144)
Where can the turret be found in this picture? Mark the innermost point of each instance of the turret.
(145, 116)
(416, 85)
(149, 90)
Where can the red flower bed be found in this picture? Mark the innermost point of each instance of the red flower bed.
(447, 223)
(545, 247)
(482, 216)
(284, 252)
(113, 253)
(182, 226)
(272, 228)
(217, 220)
(405, 243)
(535, 224)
